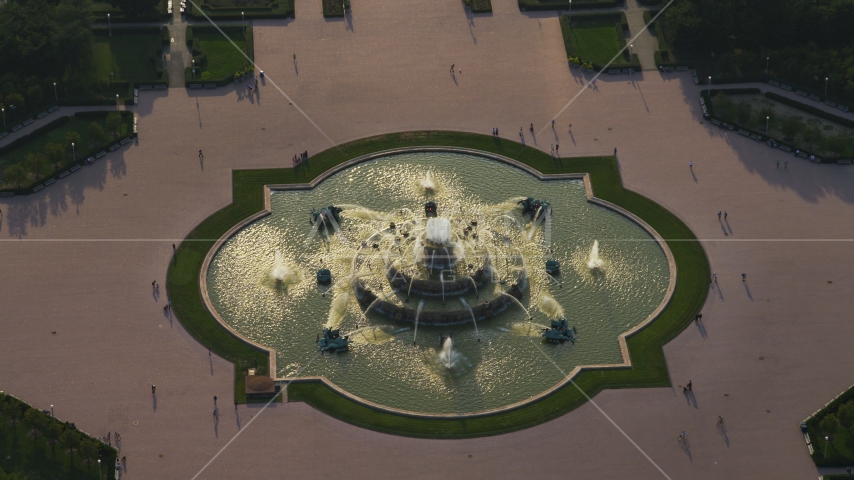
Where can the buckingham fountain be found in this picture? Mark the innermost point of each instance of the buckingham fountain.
(438, 282)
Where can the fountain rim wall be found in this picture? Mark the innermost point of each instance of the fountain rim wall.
(588, 189)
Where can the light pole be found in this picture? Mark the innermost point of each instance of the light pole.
(243, 19)
(825, 85)
(109, 25)
(194, 69)
(4, 118)
(100, 474)
(710, 85)
(826, 441)
(631, 53)
(73, 153)
(117, 101)
(767, 63)
(51, 412)
(56, 95)
(570, 14)
(767, 119)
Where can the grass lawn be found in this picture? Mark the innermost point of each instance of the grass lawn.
(649, 367)
(596, 42)
(127, 55)
(222, 58)
(80, 125)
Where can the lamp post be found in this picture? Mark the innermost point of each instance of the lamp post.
(194, 69)
(100, 474)
(73, 153)
(767, 119)
(243, 19)
(51, 412)
(710, 85)
(826, 441)
(825, 85)
(56, 95)
(109, 25)
(767, 63)
(117, 101)
(570, 14)
(4, 117)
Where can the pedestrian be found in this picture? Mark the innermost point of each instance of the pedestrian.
(496, 131)
(214, 400)
(532, 128)
(689, 386)
(684, 390)
(461, 71)
(201, 155)
(521, 135)
(153, 389)
(153, 282)
(691, 165)
(778, 163)
(553, 123)
(173, 248)
(124, 459)
(719, 215)
(570, 128)
(615, 151)
(786, 164)
(235, 405)
(557, 149)
(306, 154)
(725, 214)
(552, 148)
(169, 304)
(716, 278)
(700, 317)
(157, 287)
(452, 68)
(295, 57)
(743, 277)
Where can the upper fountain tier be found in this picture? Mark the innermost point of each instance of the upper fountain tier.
(439, 231)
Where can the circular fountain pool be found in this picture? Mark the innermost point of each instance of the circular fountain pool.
(474, 273)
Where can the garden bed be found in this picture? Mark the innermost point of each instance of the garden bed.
(232, 9)
(333, 8)
(216, 59)
(835, 420)
(595, 39)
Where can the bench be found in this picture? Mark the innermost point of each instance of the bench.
(50, 182)
(7, 194)
(64, 174)
(815, 159)
(728, 126)
(802, 155)
(100, 154)
(785, 87)
(160, 87)
(17, 127)
(756, 137)
(3, 134)
(145, 87)
(785, 148)
(847, 160)
(53, 108)
(41, 115)
(36, 189)
(210, 85)
(828, 102)
(125, 141)
(744, 132)
(802, 93)
(27, 122)
(772, 82)
(74, 168)
(842, 107)
(114, 147)
(716, 122)
(196, 85)
(681, 69)
(815, 97)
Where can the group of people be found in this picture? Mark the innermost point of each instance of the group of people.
(300, 158)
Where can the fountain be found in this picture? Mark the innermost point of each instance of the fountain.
(467, 268)
(594, 262)
(559, 332)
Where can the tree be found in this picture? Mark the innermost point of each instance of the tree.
(135, 8)
(35, 95)
(71, 440)
(88, 452)
(114, 123)
(829, 424)
(845, 414)
(15, 174)
(812, 134)
(74, 40)
(791, 126)
(96, 132)
(744, 111)
(53, 431)
(34, 420)
(35, 163)
(837, 144)
(12, 411)
(54, 153)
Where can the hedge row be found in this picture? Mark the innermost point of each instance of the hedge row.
(116, 15)
(810, 109)
(82, 155)
(525, 5)
(275, 9)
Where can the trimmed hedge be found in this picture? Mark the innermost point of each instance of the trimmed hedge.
(275, 9)
(481, 6)
(810, 109)
(645, 347)
(526, 5)
(333, 8)
(82, 155)
(102, 8)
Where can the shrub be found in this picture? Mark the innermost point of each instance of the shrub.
(791, 126)
(15, 174)
(114, 123)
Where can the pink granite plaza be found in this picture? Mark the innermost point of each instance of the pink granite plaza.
(78, 258)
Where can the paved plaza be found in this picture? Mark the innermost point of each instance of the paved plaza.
(82, 330)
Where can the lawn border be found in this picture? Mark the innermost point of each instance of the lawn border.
(648, 363)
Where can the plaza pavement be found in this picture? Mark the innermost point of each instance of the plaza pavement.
(78, 259)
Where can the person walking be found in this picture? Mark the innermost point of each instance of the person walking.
(716, 278)
(725, 214)
(743, 277)
(691, 165)
(719, 215)
(452, 68)
(557, 149)
(615, 151)
(553, 124)
(521, 135)
(689, 386)
(552, 148)
(570, 128)
(214, 400)
(778, 163)
(201, 155)
(532, 128)
(153, 389)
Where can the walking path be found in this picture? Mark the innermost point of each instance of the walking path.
(82, 254)
(646, 44)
